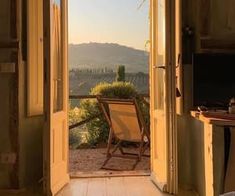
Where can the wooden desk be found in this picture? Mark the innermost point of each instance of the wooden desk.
(211, 120)
(215, 118)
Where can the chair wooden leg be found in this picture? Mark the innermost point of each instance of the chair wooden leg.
(141, 145)
(116, 147)
(121, 150)
(105, 162)
(141, 149)
(136, 163)
(144, 148)
(109, 143)
(109, 155)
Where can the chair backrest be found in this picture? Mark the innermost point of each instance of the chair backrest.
(124, 118)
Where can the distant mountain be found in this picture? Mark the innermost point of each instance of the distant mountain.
(100, 55)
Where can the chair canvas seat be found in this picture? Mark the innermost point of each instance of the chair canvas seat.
(127, 124)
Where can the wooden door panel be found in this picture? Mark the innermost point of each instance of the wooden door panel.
(58, 142)
(160, 149)
(162, 97)
(56, 94)
(158, 88)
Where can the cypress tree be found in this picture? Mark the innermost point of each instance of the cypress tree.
(120, 75)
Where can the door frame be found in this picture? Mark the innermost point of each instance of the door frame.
(172, 179)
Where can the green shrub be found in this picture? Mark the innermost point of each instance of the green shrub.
(98, 128)
(75, 137)
(74, 115)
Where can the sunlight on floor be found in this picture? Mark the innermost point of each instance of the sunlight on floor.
(118, 186)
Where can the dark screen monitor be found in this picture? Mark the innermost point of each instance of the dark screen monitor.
(213, 79)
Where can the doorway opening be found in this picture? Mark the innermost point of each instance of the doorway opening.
(108, 55)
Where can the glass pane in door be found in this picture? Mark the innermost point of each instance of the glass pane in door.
(161, 48)
(57, 56)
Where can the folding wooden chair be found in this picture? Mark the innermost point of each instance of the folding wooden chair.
(126, 123)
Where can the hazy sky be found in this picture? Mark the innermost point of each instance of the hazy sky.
(112, 21)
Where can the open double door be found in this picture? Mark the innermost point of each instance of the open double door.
(162, 95)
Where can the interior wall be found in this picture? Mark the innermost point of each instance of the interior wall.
(30, 138)
(30, 128)
(5, 91)
(202, 17)
(5, 20)
(190, 132)
(5, 146)
(185, 133)
(223, 19)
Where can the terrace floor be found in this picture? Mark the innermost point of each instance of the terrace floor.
(91, 160)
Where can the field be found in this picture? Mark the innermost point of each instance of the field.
(81, 83)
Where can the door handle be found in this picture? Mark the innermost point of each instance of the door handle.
(159, 67)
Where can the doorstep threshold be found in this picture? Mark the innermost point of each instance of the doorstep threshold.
(100, 174)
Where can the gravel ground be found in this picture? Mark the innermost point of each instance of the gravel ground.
(92, 160)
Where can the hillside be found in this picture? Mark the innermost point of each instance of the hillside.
(96, 55)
